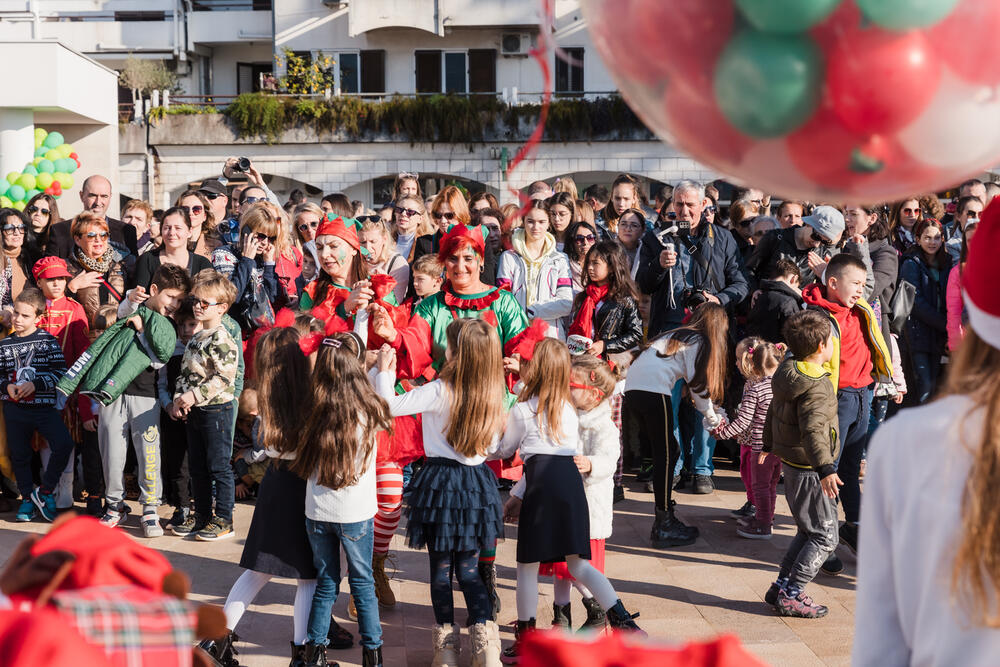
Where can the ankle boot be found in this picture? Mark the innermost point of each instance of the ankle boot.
(668, 531)
(512, 653)
(371, 657)
(314, 655)
(383, 592)
(561, 616)
(596, 619)
(338, 636)
(488, 573)
(485, 640)
(445, 639)
(297, 650)
(222, 651)
(620, 619)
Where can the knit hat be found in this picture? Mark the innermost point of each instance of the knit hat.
(50, 267)
(827, 221)
(980, 276)
(342, 228)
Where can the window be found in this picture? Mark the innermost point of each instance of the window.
(248, 76)
(458, 72)
(347, 63)
(373, 71)
(357, 71)
(569, 75)
(428, 71)
(482, 70)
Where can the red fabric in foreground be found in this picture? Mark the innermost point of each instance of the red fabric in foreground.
(554, 649)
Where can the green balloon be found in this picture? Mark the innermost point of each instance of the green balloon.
(5, 203)
(70, 165)
(40, 151)
(54, 139)
(786, 16)
(27, 181)
(43, 181)
(46, 167)
(19, 205)
(4, 185)
(30, 169)
(767, 85)
(16, 193)
(13, 176)
(52, 154)
(906, 14)
(31, 193)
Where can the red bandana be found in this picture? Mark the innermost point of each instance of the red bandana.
(583, 323)
(459, 236)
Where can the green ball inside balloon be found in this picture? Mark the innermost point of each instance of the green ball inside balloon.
(767, 85)
(43, 181)
(46, 166)
(786, 16)
(906, 14)
(15, 193)
(54, 139)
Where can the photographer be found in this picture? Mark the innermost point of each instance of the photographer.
(236, 167)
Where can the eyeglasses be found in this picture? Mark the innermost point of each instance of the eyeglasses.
(264, 237)
(819, 239)
(212, 196)
(96, 235)
(17, 229)
(450, 215)
(34, 209)
(405, 212)
(709, 209)
(306, 225)
(205, 303)
(197, 209)
(589, 238)
(252, 200)
(369, 218)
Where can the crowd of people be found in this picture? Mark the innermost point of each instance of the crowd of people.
(332, 359)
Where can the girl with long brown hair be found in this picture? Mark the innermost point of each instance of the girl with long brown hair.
(554, 523)
(697, 355)
(928, 569)
(454, 508)
(337, 456)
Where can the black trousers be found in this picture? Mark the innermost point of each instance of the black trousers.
(654, 418)
(90, 461)
(174, 459)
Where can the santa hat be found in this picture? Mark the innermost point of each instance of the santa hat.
(980, 277)
(342, 228)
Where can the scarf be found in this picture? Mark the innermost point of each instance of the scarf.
(583, 323)
(102, 264)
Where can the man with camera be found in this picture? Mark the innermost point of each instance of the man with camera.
(685, 262)
(215, 190)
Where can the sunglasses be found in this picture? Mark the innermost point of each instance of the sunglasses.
(212, 196)
(34, 209)
(819, 239)
(589, 238)
(17, 229)
(252, 200)
(197, 210)
(408, 174)
(450, 215)
(709, 209)
(405, 212)
(264, 237)
(369, 218)
(96, 235)
(306, 225)
(747, 222)
(204, 303)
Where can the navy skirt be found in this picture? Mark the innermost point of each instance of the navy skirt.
(555, 519)
(453, 507)
(277, 543)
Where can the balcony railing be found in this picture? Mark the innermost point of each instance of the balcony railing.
(231, 5)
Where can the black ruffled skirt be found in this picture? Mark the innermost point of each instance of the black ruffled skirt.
(453, 507)
(555, 519)
(277, 543)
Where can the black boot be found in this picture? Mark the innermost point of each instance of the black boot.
(512, 653)
(562, 616)
(314, 655)
(371, 657)
(297, 650)
(620, 619)
(668, 531)
(221, 651)
(339, 637)
(596, 619)
(488, 573)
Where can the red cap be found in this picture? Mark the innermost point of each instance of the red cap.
(344, 228)
(980, 276)
(50, 267)
(460, 236)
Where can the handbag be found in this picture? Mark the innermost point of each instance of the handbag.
(901, 305)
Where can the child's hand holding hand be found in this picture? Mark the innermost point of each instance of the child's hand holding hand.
(382, 324)
(386, 358)
(512, 509)
(898, 398)
(829, 485)
(184, 402)
(512, 364)
(371, 358)
(583, 464)
(596, 348)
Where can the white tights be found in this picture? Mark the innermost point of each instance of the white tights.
(249, 585)
(586, 574)
(561, 589)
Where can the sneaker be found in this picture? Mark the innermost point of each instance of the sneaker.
(833, 565)
(619, 495)
(26, 512)
(191, 524)
(800, 606)
(177, 518)
(46, 504)
(702, 485)
(112, 518)
(682, 480)
(151, 523)
(744, 521)
(849, 536)
(645, 471)
(216, 529)
(771, 596)
(754, 531)
(748, 509)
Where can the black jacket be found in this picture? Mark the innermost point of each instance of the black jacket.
(61, 239)
(776, 302)
(885, 268)
(619, 325)
(926, 328)
(431, 243)
(780, 244)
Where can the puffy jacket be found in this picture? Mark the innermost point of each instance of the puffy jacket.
(779, 244)
(801, 424)
(618, 325)
(724, 277)
(550, 297)
(118, 355)
(926, 328)
(776, 302)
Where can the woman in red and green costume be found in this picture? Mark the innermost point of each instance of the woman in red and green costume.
(420, 346)
(342, 287)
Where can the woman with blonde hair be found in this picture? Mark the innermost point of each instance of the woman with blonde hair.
(382, 256)
(409, 223)
(928, 575)
(288, 257)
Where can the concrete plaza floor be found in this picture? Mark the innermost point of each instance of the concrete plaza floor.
(713, 586)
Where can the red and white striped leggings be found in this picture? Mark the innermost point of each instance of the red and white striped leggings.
(389, 491)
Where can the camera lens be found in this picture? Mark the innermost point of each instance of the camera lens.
(243, 164)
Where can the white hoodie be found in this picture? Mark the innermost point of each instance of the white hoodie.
(543, 287)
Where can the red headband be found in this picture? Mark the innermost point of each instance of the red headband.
(346, 229)
(458, 237)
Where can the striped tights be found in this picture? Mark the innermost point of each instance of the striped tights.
(389, 492)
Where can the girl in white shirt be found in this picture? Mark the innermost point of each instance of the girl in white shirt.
(454, 507)
(554, 522)
(337, 456)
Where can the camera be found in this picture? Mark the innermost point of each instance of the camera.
(692, 298)
(242, 164)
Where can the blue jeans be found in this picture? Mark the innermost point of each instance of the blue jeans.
(22, 422)
(853, 414)
(358, 541)
(926, 368)
(880, 407)
(210, 449)
(697, 446)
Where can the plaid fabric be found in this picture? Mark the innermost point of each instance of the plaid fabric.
(616, 417)
(136, 627)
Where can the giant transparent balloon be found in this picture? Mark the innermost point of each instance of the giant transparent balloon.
(827, 100)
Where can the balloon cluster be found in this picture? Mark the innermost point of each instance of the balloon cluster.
(49, 172)
(832, 100)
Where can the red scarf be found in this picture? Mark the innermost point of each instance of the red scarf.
(583, 323)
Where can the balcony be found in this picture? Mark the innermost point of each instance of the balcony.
(113, 39)
(236, 23)
(436, 16)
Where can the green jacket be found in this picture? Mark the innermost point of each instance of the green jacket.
(117, 357)
(801, 423)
